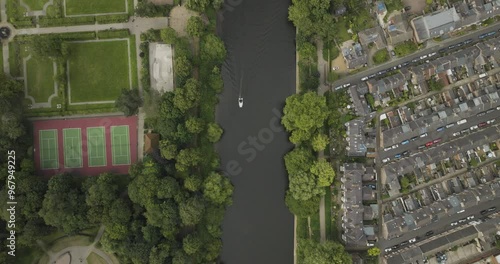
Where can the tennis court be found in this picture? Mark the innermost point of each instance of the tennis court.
(72, 147)
(96, 146)
(48, 149)
(120, 145)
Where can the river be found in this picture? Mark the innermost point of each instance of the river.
(260, 66)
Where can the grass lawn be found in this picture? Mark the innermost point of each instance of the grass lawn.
(315, 227)
(342, 26)
(40, 78)
(98, 70)
(35, 4)
(79, 7)
(302, 229)
(93, 258)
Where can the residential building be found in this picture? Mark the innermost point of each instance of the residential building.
(398, 30)
(353, 54)
(435, 24)
(373, 35)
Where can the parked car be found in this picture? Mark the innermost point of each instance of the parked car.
(481, 114)
(492, 209)
(372, 75)
(404, 243)
(423, 135)
(428, 144)
(450, 125)
(474, 127)
(364, 78)
(387, 149)
(470, 217)
(482, 124)
(404, 142)
(346, 85)
(393, 53)
(406, 153)
(437, 140)
(413, 240)
(454, 223)
(467, 41)
(491, 121)
(395, 146)
(413, 138)
(397, 156)
(421, 147)
(483, 212)
(463, 121)
(461, 221)
(490, 111)
(388, 250)
(386, 160)
(429, 233)
(440, 129)
(456, 134)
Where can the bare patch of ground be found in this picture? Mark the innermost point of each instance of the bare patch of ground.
(178, 19)
(417, 6)
(162, 2)
(339, 62)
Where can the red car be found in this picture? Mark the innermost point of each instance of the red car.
(482, 124)
(436, 141)
(428, 144)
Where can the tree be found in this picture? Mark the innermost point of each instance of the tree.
(188, 96)
(302, 208)
(101, 192)
(182, 67)
(212, 49)
(195, 26)
(329, 252)
(218, 189)
(319, 142)
(195, 125)
(193, 182)
(381, 56)
(168, 35)
(144, 186)
(64, 205)
(129, 101)
(323, 171)
(46, 46)
(310, 17)
(215, 80)
(168, 188)
(308, 53)
(303, 115)
(159, 253)
(187, 158)
(303, 186)
(214, 132)
(299, 159)
(164, 216)
(373, 252)
(168, 150)
(191, 211)
(191, 244)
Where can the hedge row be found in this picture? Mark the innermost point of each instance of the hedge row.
(109, 34)
(66, 21)
(66, 36)
(108, 19)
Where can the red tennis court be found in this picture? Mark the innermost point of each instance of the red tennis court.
(85, 146)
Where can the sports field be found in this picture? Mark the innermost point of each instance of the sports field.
(120, 145)
(48, 149)
(89, 146)
(96, 146)
(98, 70)
(87, 7)
(72, 148)
(35, 4)
(40, 78)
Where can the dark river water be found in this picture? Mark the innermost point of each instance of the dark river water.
(260, 66)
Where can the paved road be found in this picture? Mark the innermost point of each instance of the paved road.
(257, 228)
(441, 226)
(356, 78)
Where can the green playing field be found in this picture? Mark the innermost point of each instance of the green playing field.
(48, 149)
(72, 148)
(120, 145)
(96, 146)
(79, 7)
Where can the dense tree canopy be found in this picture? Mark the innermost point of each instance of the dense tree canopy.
(319, 142)
(191, 211)
(218, 189)
(302, 208)
(329, 252)
(212, 49)
(195, 26)
(303, 186)
(64, 205)
(188, 96)
(129, 101)
(323, 171)
(214, 132)
(182, 68)
(299, 159)
(304, 114)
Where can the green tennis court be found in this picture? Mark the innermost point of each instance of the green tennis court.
(72, 148)
(96, 146)
(49, 156)
(120, 145)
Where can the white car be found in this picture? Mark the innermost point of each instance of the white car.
(423, 135)
(474, 127)
(346, 85)
(423, 57)
(454, 224)
(491, 121)
(364, 78)
(386, 160)
(387, 149)
(413, 240)
(470, 217)
(498, 107)
(456, 134)
(388, 250)
(395, 146)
